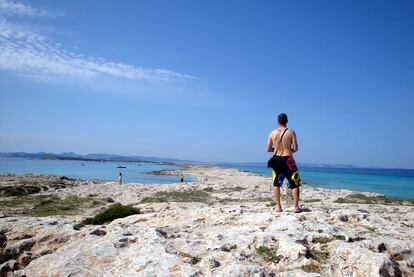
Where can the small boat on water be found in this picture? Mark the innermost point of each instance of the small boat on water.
(121, 166)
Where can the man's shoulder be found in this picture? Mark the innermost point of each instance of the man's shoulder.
(278, 131)
(290, 131)
(274, 132)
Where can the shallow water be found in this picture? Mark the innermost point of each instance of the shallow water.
(390, 182)
(88, 170)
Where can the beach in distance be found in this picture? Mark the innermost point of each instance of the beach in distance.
(222, 223)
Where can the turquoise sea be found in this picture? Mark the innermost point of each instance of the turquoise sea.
(89, 170)
(390, 182)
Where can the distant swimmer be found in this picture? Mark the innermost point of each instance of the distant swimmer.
(282, 142)
(182, 178)
(120, 178)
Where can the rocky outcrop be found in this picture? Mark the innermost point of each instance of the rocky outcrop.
(228, 228)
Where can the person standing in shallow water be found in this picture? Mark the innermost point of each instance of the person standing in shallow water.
(282, 143)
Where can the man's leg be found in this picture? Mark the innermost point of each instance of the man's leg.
(296, 199)
(276, 190)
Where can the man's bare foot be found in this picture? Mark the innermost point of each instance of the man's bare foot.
(279, 209)
(298, 210)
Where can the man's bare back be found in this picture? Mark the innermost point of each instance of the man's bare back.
(282, 143)
(287, 147)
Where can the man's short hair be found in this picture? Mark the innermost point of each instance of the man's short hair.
(282, 119)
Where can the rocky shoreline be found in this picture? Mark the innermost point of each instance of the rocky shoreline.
(225, 226)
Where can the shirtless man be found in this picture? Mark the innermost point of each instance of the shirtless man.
(282, 143)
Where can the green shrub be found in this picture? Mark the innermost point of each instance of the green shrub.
(262, 249)
(113, 212)
(339, 237)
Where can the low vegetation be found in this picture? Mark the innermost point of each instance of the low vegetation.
(225, 189)
(23, 187)
(113, 212)
(47, 205)
(19, 190)
(193, 259)
(312, 266)
(312, 200)
(56, 184)
(269, 254)
(321, 240)
(231, 189)
(271, 204)
(258, 199)
(358, 198)
(178, 196)
(317, 255)
(339, 237)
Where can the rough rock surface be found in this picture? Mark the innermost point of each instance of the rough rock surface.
(229, 229)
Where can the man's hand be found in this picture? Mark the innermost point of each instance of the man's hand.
(295, 147)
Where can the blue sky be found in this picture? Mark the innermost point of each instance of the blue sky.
(205, 80)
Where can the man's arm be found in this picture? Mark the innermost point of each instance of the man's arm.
(295, 147)
(269, 147)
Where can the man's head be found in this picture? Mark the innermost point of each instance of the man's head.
(282, 119)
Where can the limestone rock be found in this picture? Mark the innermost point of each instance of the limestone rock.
(381, 247)
(343, 218)
(10, 265)
(229, 231)
(78, 226)
(3, 240)
(98, 232)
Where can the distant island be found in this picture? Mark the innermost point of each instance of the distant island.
(103, 157)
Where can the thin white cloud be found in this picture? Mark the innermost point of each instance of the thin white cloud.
(30, 54)
(14, 8)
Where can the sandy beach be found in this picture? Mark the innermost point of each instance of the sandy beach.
(223, 226)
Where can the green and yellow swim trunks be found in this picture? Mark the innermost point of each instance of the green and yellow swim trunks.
(285, 167)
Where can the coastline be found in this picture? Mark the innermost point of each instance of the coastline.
(224, 226)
